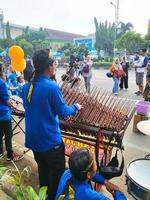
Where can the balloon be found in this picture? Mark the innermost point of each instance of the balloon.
(16, 53)
(19, 66)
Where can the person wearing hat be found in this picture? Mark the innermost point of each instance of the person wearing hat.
(117, 72)
(44, 103)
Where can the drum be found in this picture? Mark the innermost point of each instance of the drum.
(144, 127)
(138, 179)
(20, 109)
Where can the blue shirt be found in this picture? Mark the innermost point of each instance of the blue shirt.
(5, 110)
(145, 61)
(81, 188)
(41, 114)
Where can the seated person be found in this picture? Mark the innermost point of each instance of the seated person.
(74, 183)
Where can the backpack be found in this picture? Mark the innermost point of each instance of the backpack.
(86, 68)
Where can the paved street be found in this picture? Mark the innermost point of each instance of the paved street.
(136, 145)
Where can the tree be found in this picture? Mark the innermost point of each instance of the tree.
(30, 36)
(123, 28)
(27, 46)
(104, 36)
(26, 30)
(130, 41)
(8, 35)
(147, 40)
(69, 49)
(4, 43)
(1, 49)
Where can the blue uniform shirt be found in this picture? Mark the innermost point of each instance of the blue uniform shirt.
(81, 188)
(41, 114)
(5, 110)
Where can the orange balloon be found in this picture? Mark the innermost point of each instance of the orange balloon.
(16, 53)
(19, 66)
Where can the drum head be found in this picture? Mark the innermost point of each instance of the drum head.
(139, 172)
(16, 98)
(144, 127)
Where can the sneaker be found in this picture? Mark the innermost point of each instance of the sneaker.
(116, 94)
(15, 157)
(137, 93)
(140, 93)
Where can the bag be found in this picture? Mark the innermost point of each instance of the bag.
(120, 73)
(112, 169)
(86, 68)
(109, 74)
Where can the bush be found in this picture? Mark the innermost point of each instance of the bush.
(100, 64)
(108, 59)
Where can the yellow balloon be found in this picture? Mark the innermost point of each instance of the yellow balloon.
(16, 53)
(19, 66)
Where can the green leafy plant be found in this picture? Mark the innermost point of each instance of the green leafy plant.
(15, 177)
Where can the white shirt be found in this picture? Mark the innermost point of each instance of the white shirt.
(139, 64)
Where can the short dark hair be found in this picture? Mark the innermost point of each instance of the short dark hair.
(41, 61)
(80, 163)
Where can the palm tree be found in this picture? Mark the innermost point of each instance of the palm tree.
(123, 28)
(104, 36)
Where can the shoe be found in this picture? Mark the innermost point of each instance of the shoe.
(137, 93)
(15, 157)
(140, 94)
(116, 94)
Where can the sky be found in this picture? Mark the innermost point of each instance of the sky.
(75, 16)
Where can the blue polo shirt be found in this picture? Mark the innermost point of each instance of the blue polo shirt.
(41, 114)
(82, 189)
(5, 110)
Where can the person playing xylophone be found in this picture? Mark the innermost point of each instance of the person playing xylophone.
(5, 119)
(44, 103)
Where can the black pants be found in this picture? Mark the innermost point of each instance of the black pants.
(6, 130)
(51, 165)
(124, 82)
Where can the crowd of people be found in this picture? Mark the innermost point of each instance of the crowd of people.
(119, 71)
(44, 104)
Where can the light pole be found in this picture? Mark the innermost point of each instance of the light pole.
(116, 6)
(1, 24)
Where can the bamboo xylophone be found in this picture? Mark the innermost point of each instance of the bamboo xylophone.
(101, 110)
